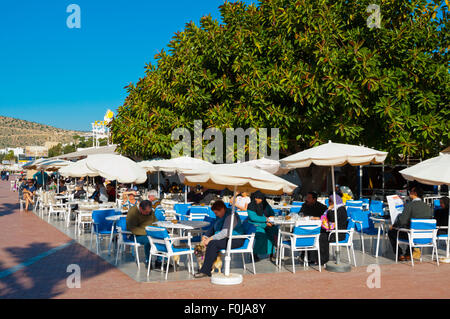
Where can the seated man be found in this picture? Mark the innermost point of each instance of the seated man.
(216, 238)
(153, 198)
(28, 194)
(62, 187)
(137, 220)
(414, 209)
(312, 207)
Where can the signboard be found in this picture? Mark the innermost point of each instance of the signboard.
(396, 206)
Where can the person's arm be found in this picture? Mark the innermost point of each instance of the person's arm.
(225, 228)
(404, 218)
(254, 217)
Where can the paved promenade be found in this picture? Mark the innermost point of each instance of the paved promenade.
(34, 257)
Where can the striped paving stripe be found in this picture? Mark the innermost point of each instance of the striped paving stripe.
(32, 260)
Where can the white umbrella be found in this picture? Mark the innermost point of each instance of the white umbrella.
(434, 171)
(116, 168)
(238, 178)
(268, 165)
(78, 169)
(52, 165)
(173, 165)
(34, 164)
(334, 154)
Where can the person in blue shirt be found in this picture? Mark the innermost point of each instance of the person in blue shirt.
(28, 194)
(41, 179)
(216, 238)
(266, 234)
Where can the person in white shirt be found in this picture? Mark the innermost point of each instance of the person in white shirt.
(242, 201)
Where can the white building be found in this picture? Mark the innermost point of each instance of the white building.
(17, 151)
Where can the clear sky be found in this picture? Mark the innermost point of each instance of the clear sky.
(68, 78)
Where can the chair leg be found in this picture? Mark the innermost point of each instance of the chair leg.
(362, 241)
(318, 255)
(117, 252)
(149, 264)
(410, 252)
(137, 257)
(243, 262)
(167, 268)
(348, 254)
(293, 261)
(396, 252)
(354, 257)
(253, 262)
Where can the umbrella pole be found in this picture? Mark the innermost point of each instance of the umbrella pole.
(228, 278)
(185, 193)
(159, 189)
(336, 266)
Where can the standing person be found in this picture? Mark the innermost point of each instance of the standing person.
(137, 219)
(416, 208)
(328, 223)
(266, 233)
(242, 201)
(216, 238)
(312, 207)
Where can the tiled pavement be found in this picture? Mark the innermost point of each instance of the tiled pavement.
(24, 236)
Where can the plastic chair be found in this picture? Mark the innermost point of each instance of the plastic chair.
(161, 244)
(182, 210)
(376, 207)
(247, 247)
(294, 203)
(364, 225)
(100, 226)
(295, 209)
(126, 238)
(159, 214)
(354, 203)
(303, 238)
(422, 233)
(348, 241)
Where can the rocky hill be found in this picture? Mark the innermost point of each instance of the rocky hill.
(21, 133)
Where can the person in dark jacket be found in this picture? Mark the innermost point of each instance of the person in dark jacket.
(216, 238)
(312, 207)
(416, 208)
(328, 223)
(441, 215)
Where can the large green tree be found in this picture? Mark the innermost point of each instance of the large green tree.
(313, 68)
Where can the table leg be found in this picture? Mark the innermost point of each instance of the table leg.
(278, 257)
(378, 240)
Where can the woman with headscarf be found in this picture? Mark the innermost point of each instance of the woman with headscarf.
(328, 223)
(259, 212)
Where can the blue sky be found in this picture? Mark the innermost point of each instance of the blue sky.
(68, 78)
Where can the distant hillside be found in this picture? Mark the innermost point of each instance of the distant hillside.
(20, 133)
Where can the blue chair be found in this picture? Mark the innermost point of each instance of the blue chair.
(182, 211)
(295, 203)
(243, 215)
(159, 214)
(437, 204)
(100, 226)
(303, 238)
(161, 244)
(247, 247)
(354, 203)
(295, 209)
(376, 207)
(364, 225)
(327, 202)
(126, 238)
(199, 212)
(348, 241)
(422, 233)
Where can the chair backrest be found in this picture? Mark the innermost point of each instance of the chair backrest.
(423, 231)
(353, 210)
(243, 215)
(198, 216)
(157, 237)
(296, 203)
(358, 214)
(365, 200)
(295, 209)
(354, 203)
(376, 207)
(159, 214)
(99, 219)
(310, 235)
(437, 203)
(122, 226)
(181, 209)
(249, 229)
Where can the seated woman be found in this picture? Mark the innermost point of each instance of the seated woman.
(259, 211)
(131, 200)
(242, 201)
(328, 223)
(28, 194)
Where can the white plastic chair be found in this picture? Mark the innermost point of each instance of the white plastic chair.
(422, 233)
(348, 241)
(247, 247)
(162, 245)
(125, 240)
(305, 237)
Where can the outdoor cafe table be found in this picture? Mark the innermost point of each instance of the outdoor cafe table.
(183, 225)
(383, 225)
(294, 220)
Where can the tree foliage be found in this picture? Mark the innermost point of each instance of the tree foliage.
(312, 68)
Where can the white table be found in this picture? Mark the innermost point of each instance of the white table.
(183, 225)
